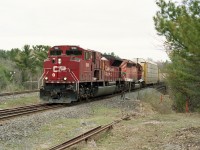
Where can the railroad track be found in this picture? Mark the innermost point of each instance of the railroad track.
(18, 92)
(19, 111)
(83, 137)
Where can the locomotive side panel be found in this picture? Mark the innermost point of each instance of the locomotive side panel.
(110, 73)
(86, 68)
(129, 71)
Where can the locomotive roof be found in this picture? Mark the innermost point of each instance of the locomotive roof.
(114, 61)
(110, 57)
(142, 60)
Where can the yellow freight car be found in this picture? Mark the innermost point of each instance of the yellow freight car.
(151, 73)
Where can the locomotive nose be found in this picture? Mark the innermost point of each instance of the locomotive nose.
(59, 61)
(55, 94)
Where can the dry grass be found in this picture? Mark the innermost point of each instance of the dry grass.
(159, 102)
(152, 131)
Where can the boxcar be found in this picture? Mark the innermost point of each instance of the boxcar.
(150, 74)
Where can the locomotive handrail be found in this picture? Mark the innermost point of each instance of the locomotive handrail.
(42, 78)
(77, 86)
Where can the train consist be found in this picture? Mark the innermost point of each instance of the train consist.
(72, 73)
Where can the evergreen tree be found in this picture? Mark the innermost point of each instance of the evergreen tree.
(3, 54)
(26, 62)
(40, 52)
(13, 53)
(180, 24)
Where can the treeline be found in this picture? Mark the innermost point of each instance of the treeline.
(21, 68)
(179, 23)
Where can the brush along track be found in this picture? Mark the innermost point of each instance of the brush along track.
(19, 111)
(19, 92)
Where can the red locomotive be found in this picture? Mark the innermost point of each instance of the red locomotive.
(72, 73)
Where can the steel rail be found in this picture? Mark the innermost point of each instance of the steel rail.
(21, 107)
(83, 137)
(27, 110)
(12, 111)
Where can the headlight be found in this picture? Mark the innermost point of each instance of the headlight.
(65, 78)
(46, 78)
(59, 60)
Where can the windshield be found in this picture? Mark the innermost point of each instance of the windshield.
(74, 52)
(55, 52)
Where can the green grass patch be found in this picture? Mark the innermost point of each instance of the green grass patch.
(17, 102)
(56, 132)
(104, 111)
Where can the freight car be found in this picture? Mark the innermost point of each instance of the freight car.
(72, 73)
(151, 73)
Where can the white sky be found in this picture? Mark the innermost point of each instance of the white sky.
(124, 27)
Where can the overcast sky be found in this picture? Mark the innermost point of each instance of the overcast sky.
(124, 27)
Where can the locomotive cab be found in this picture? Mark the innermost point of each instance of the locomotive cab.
(62, 74)
(61, 62)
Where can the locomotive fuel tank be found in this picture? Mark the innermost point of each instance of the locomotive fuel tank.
(105, 90)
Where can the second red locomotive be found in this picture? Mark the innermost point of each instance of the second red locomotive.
(72, 73)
